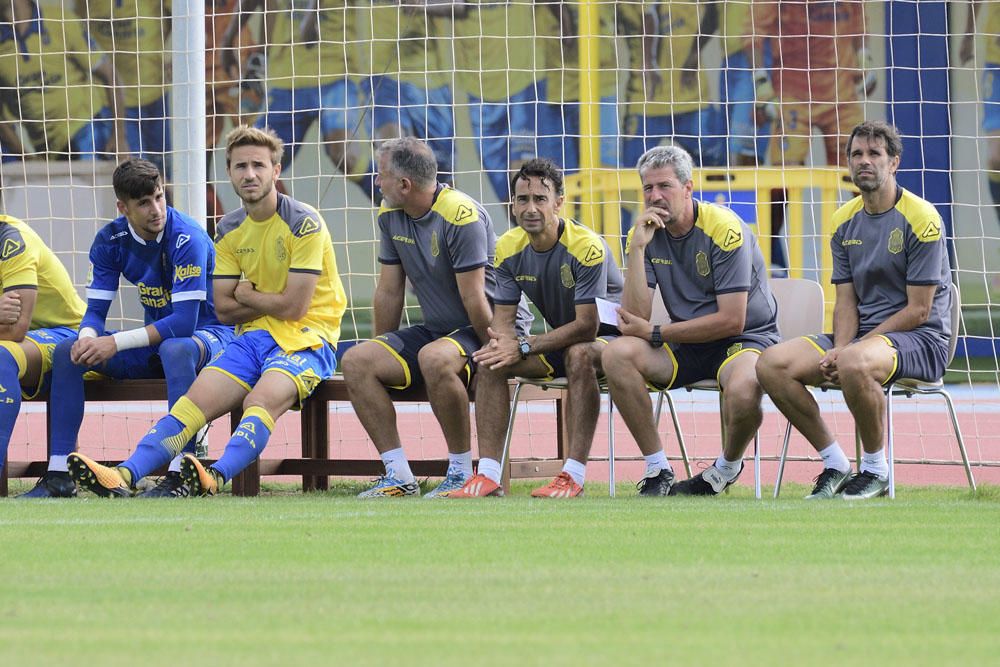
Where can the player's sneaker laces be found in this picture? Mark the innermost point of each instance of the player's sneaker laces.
(200, 481)
(828, 483)
(170, 486)
(865, 485)
(480, 486)
(562, 486)
(655, 485)
(53, 484)
(453, 481)
(390, 487)
(709, 482)
(96, 478)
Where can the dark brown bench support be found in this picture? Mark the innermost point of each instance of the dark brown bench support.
(315, 465)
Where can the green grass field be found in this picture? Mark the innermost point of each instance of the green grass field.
(329, 580)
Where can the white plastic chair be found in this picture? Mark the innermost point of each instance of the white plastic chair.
(903, 387)
(800, 311)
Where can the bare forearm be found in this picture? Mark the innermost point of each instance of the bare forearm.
(636, 298)
(388, 307)
(480, 315)
(706, 329)
(280, 305)
(845, 325)
(562, 337)
(231, 311)
(907, 319)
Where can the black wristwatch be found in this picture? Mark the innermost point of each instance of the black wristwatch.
(524, 346)
(656, 338)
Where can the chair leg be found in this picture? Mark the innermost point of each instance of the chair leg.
(677, 430)
(611, 447)
(781, 460)
(510, 426)
(756, 465)
(890, 454)
(958, 436)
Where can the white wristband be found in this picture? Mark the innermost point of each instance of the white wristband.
(87, 332)
(133, 338)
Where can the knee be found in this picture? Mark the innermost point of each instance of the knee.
(580, 360)
(773, 367)
(439, 360)
(356, 362)
(179, 351)
(853, 365)
(618, 355)
(743, 392)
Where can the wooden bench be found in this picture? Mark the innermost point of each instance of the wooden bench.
(314, 465)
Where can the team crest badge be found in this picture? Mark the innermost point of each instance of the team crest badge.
(435, 246)
(566, 275)
(896, 241)
(10, 248)
(733, 349)
(701, 263)
(279, 250)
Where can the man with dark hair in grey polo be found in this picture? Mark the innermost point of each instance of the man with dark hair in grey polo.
(891, 317)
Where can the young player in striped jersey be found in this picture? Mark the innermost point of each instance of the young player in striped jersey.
(44, 56)
(38, 308)
(891, 317)
(679, 108)
(134, 37)
(990, 33)
(407, 83)
(311, 76)
(276, 278)
(442, 241)
(563, 267)
(169, 258)
(712, 278)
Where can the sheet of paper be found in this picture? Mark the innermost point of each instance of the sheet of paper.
(607, 311)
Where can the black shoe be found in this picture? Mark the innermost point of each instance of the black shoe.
(865, 485)
(828, 484)
(710, 482)
(53, 484)
(170, 486)
(656, 485)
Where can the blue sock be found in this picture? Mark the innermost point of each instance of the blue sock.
(151, 453)
(247, 443)
(67, 393)
(165, 440)
(10, 399)
(180, 358)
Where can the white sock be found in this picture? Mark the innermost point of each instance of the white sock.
(834, 457)
(576, 470)
(460, 463)
(175, 464)
(58, 464)
(491, 469)
(656, 462)
(729, 469)
(397, 466)
(875, 464)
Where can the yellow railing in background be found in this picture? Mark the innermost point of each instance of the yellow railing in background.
(596, 198)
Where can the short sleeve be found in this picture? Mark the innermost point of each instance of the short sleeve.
(841, 264)
(468, 246)
(731, 269)
(924, 253)
(508, 292)
(591, 282)
(227, 264)
(308, 244)
(386, 248)
(18, 264)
